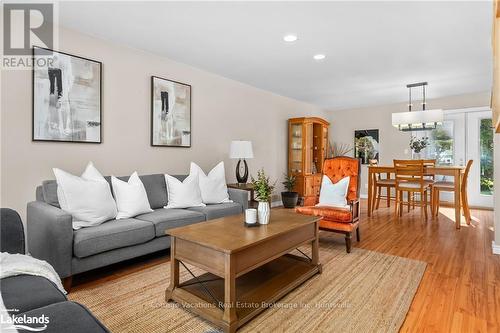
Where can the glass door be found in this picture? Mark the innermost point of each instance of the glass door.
(466, 134)
(447, 141)
(480, 150)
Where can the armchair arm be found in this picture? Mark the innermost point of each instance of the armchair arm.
(50, 236)
(239, 196)
(11, 232)
(355, 209)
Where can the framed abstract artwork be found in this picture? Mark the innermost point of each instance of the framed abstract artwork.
(170, 113)
(66, 97)
(366, 145)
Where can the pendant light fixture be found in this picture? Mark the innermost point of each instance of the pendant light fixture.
(417, 120)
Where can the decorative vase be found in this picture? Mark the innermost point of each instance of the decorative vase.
(264, 212)
(417, 156)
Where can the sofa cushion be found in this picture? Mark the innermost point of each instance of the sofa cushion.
(327, 213)
(11, 232)
(155, 186)
(111, 235)
(49, 190)
(68, 317)
(219, 210)
(156, 189)
(87, 198)
(28, 292)
(164, 219)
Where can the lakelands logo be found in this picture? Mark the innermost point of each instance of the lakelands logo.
(24, 322)
(26, 25)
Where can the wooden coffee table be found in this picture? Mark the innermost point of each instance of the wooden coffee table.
(247, 268)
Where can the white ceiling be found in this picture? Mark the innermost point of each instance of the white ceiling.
(373, 48)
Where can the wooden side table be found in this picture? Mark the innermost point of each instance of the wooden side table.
(246, 187)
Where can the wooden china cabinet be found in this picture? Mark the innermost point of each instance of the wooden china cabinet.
(307, 150)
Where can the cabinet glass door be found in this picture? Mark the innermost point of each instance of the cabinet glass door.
(296, 148)
(309, 142)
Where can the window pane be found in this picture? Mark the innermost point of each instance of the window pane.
(441, 144)
(486, 151)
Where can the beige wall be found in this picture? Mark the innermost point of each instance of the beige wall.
(222, 110)
(393, 143)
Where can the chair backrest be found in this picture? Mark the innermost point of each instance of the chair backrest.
(340, 167)
(431, 162)
(466, 173)
(409, 171)
(374, 162)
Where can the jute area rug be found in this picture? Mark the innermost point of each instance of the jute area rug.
(363, 291)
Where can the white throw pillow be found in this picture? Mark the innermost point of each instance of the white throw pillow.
(334, 195)
(87, 198)
(131, 197)
(183, 194)
(213, 186)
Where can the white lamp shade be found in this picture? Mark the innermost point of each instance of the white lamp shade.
(416, 118)
(241, 149)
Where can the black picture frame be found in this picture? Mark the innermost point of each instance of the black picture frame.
(152, 115)
(33, 100)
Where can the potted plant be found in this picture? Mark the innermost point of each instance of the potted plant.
(417, 145)
(289, 197)
(338, 149)
(263, 191)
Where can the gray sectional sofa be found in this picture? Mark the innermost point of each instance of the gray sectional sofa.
(34, 296)
(52, 238)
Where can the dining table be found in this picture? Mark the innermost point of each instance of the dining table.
(455, 171)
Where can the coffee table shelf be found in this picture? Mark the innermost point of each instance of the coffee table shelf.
(256, 290)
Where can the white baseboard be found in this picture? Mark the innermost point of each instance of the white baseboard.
(495, 248)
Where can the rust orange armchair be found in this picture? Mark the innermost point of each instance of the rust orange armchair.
(344, 221)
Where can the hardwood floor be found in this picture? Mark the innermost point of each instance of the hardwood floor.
(460, 290)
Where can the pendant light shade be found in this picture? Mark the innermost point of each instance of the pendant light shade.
(417, 120)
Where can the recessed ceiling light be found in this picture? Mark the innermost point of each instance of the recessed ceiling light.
(319, 56)
(290, 38)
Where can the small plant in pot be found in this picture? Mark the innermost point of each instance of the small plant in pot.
(289, 197)
(263, 191)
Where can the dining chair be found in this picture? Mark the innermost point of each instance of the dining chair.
(429, 163)
(410, 178)
(388, 183)
(447, 186)
(428, 177)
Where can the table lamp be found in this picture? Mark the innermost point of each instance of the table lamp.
(241, 150)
